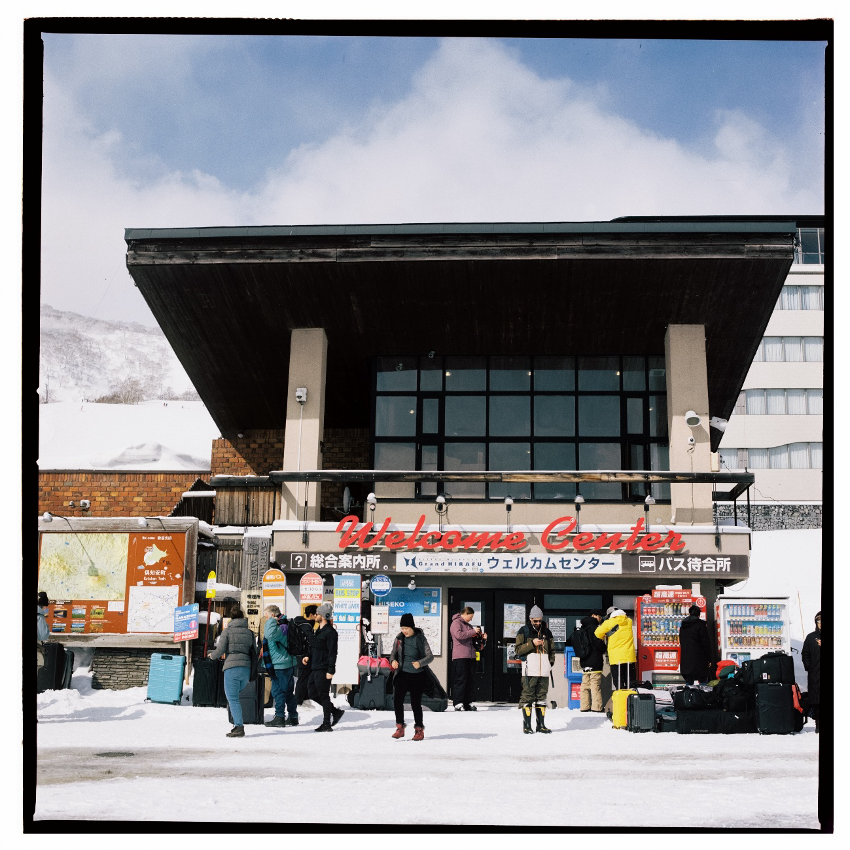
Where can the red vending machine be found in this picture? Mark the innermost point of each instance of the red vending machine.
(658, 616)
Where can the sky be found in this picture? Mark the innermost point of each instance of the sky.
(182, 131)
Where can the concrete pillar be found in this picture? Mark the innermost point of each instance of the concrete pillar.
(687, 389)
(308, 355)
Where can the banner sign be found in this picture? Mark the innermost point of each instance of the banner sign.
(335, 561)
(425, 605)
(186, 622)
(688, 567)
(346, 619)
(531, 562)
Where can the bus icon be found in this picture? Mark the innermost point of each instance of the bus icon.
(646, 563)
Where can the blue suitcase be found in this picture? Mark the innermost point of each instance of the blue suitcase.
(165, 678)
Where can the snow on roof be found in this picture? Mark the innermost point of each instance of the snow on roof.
(154, 435)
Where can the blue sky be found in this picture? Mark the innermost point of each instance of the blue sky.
(163, 131)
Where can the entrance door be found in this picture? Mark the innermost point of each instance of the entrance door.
(512, 607)
(482, 603)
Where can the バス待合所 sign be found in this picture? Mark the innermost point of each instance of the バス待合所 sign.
(691, 565)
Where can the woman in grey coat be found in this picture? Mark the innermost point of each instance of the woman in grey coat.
(239, 647)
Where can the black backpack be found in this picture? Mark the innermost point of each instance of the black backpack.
(297, 643)
(580, 641)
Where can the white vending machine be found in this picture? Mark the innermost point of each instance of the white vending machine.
(749, 627)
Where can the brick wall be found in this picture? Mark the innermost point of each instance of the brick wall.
(114, 493)
(345, 448)
(256, 453)
(118, 669)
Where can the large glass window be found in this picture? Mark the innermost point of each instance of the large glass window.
(521, 413)
(809, 248)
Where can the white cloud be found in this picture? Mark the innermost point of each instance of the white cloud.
(480, 137)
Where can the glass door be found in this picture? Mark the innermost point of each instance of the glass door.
(481, 601)
(512, 607)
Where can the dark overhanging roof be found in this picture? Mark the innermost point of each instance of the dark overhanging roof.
(227, 298)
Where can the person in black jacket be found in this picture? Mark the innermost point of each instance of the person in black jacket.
(409, 658)
(305, 668)
(695, 649)
(324, 666)
(591, 666)
(811, 662)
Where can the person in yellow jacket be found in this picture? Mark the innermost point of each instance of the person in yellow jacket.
(617, 631)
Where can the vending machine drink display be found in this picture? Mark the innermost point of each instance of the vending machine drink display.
(748, 628)
(658, 616)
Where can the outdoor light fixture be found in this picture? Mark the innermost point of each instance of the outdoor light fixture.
(441, 507)
(411, 585)
(692, 420)
(372, 502)
(646, 503)
(579, 501)
(509, 503)
(47, 516)
(143, 522)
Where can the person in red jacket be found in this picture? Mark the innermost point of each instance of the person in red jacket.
(464, 637)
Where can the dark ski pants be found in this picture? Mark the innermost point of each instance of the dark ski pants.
(414, 684)
(283, 692)
(534, 690)
(462, 682)
(319, 690)
(301, 683)
(623, 676)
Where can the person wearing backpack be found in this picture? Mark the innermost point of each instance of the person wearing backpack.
(325, 643)
(280, 667)
(621, 648)
(305, 626)
(590, 651)
(536, 647)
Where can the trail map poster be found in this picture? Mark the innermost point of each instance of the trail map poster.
(112, 582)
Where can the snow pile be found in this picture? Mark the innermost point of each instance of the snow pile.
(148, 436)
(111, 756)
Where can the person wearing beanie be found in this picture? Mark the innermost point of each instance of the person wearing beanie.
(409, 659)
(617, 632)
(536, 647)
(694, 648)
(323, 664)
(811, 663)
(238, 646)
(464, 639)
(305, 624)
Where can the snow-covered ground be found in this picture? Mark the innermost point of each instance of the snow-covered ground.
(147, 436)
(110, 756)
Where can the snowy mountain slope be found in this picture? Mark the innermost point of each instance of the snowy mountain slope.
(86, 358)
(148, 436)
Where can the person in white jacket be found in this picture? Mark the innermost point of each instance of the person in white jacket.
(536, 647)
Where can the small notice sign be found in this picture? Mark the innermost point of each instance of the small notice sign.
(311, 588)
(211, 585)
(186, 622)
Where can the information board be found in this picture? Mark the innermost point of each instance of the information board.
(112, 582)
(346, 619)
(186, 622)
(425, 604)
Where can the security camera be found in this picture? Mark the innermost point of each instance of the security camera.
(85, 504)
(301, 395)
(691, 441)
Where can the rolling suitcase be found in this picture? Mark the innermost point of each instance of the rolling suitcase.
(208, 683)
(699, 722)
(51, 676)
(250, 698)
(69, 669)
(775, 709)
(619, 710)
(640, 712)
(373, 694)
(165, 678)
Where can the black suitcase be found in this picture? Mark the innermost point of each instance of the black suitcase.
(372, 695)
(69, 668)
(695, 722)
(640, 713)
(777, 667)
(52, 675)
(737, 722)
(251, 699)
(775, 709)
(208, 683)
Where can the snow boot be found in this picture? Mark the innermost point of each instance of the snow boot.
(276, 721)
(325, 727)
(236, 732)
(419, 733)
(292, 721)
(399, 730)
(337, 715)
(526, 720)
(540, 711)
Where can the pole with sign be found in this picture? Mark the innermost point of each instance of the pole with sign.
(274, 589)
(311, 590)
(210, 597)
